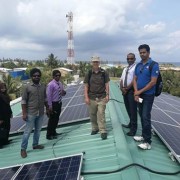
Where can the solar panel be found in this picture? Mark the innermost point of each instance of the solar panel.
(74, 97)
(77, 100)
(65, 101)
(16, 123)
(64, 168)
(170, 135)
(8, 173)
(166, 122)
(74, 113)
(80, 92)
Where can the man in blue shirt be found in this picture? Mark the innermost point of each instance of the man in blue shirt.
(144, 89)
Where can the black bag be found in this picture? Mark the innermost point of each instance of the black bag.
(3, 133)
(159, 83)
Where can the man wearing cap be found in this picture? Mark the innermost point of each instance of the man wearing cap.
(96, 94)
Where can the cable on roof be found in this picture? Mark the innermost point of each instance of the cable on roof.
(62, 136)
(116, 100)
(130, 165)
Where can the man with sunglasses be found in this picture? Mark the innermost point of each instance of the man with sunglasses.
(144, 85)
(96, 92)
(55, 91)
(33, 102)
(126, 86)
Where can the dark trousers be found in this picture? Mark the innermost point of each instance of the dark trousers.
(131, 108)
(54, 118)
(5, 125)
(145, 113)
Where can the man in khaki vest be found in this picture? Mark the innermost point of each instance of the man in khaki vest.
(96, 94)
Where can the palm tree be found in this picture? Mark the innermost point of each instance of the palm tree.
(13, 85)
(52, 61)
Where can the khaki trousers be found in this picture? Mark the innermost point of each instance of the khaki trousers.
(97, 115)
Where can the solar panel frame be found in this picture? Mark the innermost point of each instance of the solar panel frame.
(9, 172)
(166, 122)
(65, 168)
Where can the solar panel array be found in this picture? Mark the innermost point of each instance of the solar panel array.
(73, 109)
(63, 168)
(166, 122)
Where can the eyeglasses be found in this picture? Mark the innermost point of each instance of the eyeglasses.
(95, 61)
(130, 58)
(36, 76)
(57, 75)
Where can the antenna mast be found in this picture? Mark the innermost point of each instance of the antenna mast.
(70, 48)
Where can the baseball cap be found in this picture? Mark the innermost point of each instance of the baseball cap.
(95, 58)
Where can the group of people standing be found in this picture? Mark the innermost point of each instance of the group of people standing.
(35, 97)
(137, 84)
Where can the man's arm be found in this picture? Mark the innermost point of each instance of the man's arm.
(24, 103)
(107, 91)
(86, 87)
(147, 87)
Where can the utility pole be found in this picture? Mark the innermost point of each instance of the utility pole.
(70, 48)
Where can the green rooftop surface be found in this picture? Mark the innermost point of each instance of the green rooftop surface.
(102, 156)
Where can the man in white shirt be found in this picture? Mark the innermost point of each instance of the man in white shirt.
(126, 86)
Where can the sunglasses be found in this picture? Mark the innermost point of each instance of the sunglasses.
(130, 58)
(58, 75)
(36, 76)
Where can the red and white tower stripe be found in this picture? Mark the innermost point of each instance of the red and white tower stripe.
(70, 49)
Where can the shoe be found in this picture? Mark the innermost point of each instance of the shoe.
(49, 137)
(126, 126)
(55, 137)
(38, 147)
(138, 138)
(23, 153)
(145, 146)
(104, 136)
(58, 134)
(8, 142)
(130, 133)
(94, 132)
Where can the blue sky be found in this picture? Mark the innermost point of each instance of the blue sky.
(32, 29)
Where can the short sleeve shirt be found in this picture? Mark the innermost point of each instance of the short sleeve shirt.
(97, 84)
(143, 74)
(130, 74)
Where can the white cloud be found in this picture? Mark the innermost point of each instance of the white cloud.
(107, 27)
(6, 44)
(154, 28)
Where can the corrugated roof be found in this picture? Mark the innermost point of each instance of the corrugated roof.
(116, 152)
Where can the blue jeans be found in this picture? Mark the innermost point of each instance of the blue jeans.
(145, 113)
(32, 122)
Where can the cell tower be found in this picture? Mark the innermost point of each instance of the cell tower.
(70, 49)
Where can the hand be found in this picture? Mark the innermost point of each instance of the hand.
(124, 91)
(1, 121)
(107, 98)
(24, 117)
(137, 93)
(63, 92)
(87, 101)
(47, 112)
(50, 110)
(136, 98)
